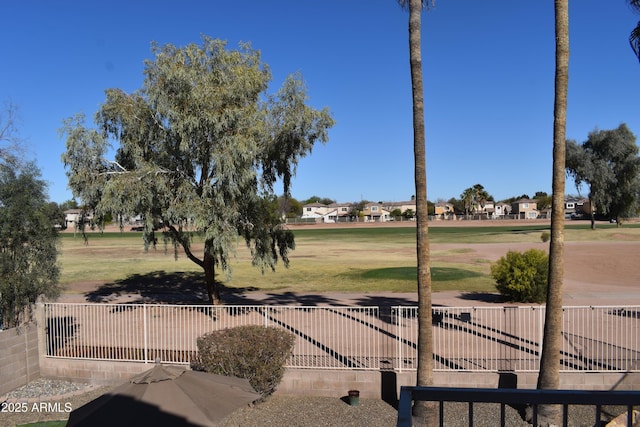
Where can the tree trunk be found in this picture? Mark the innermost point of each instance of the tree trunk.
(209, 266)
(549, 377)
(425, 413)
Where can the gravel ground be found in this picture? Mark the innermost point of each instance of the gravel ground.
(329, 412)
(274, 411)
(45, 400)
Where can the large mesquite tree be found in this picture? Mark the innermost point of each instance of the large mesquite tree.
(608, 163)
(199, 149)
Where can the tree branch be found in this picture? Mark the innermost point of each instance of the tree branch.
(177, 236)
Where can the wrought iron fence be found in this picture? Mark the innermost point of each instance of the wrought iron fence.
(367, 338)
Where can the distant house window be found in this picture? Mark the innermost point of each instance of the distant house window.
(571, 205)
(525, 205)
(343, 209)
(308, 209)
(374, 209)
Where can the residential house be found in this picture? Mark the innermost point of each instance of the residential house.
(314, 210)
(444, 211)
(320, 212)
(525, 209)
(484, 208)
(72, 217)
(401, 206)
(574, 207)
(501, 210)
(374, 212)
(342, 212)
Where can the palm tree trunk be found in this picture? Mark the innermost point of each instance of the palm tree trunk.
(424, 412)
(549, 376)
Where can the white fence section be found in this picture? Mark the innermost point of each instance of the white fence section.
(371, 338)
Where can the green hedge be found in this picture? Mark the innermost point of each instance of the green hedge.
(522, 277)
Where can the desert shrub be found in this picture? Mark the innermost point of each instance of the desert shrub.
(522, 277)
(545, 236)
(257, 353)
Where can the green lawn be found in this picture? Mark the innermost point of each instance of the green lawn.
(339, 259)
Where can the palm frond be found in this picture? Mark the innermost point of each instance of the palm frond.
(426, 4)
(634, 39)
(634, 4)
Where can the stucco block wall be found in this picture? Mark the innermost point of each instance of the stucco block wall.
(386, 384)
(19, 356)
(329, 383)
(91, 371)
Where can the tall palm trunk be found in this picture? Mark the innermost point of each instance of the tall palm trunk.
(549, 376)
(424, 412)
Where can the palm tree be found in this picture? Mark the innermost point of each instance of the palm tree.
(549, 376)
(424, 412)
(634, 37)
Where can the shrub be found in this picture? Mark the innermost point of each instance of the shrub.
(545, 236)
(522, 277)
(257, 353)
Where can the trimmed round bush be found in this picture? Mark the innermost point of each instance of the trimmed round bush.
(257, 353)
(522, 276)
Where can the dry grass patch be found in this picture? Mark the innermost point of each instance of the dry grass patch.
(326, 260)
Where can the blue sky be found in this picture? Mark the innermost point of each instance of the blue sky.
(488, 71)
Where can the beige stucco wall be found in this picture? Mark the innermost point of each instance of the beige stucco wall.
(337, 383)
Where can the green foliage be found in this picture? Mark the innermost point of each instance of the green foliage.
(545, 236)
(28, 243)
(201, 147)
(608, 163)
(543, 200)
(522, 277)
(409, 214)
(474, 198)
(257, 353)
(318, 199)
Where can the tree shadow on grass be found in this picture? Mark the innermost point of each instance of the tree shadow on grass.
(283, 298)
(483, 297)
(385, 301)
(159, 287)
